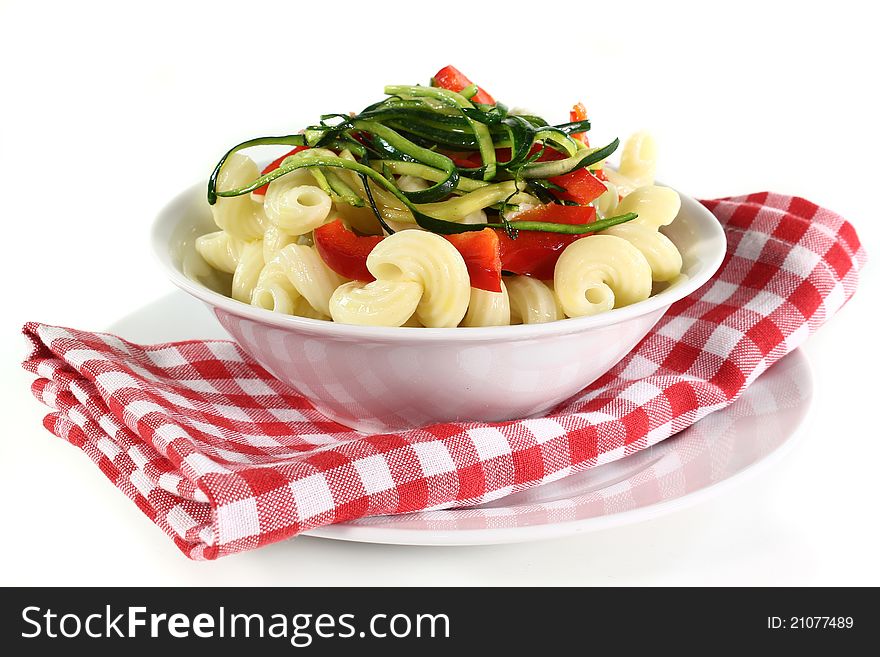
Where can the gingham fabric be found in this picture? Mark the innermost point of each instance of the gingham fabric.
(706, 453)
(224, 458)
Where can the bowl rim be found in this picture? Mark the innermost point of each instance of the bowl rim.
(168, 221)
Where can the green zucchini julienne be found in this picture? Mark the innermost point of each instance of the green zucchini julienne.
(400, 135)
(481, 131)
(433, 224)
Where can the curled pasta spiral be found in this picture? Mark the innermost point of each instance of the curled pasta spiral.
(428, 259)
(379, 303)
(638, 164)
(302, 308)
(488, 308)
(247, 271)
(296, 272)
(296, 208)
(600, 272)
(220, 250)
(532, 301)
(275, 239)
(662, 255)
(607, 202)
(656, 206)
(240, 216)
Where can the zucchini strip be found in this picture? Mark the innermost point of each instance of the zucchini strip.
(574, 126)
(558, 137)
(567, 229)
(342, 190)
(428, 222)
(481, 131)
(401, 168)
(289, 140)
(584, 158)
(408, 150)
(457, 208)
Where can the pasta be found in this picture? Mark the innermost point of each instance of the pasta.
(638, 164)
(435, 209)
(601, 272)
(431, 261)
(296, 208)
(220, 250)
(380, 303)
(487, 308)
(662, 255)
(302, 308)
(607, 202)
(247, 271)
(275, 239)
(656, 206)
(413, 322)
(532, 301)
(240, 216)
(297, 271)
(197, 269)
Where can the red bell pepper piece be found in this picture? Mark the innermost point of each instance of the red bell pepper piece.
(464, 159)
(451, 78)
(344, 251)
(274, 165)
(482, 255)
(580, 186)
(535, 253)
(579, 113)
(558, 214)
(472, 159)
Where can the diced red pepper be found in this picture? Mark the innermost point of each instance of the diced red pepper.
(482, 255)
(344, 251)
(580, 186)
(451, 78)
(464, 159)
(579, 113)
(548, 154)
(472, 159)
(274, 165)
(559, 214)
(535, 253)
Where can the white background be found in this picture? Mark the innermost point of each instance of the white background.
(108, 110)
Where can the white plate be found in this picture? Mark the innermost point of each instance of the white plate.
(676, 473)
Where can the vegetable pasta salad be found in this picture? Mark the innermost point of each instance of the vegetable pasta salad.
(439, 207)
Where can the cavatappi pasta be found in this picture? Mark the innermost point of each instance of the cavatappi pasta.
(439, 208)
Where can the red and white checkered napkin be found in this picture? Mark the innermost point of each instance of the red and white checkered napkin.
(225, 458)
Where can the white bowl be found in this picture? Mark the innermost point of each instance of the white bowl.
(386, 379)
